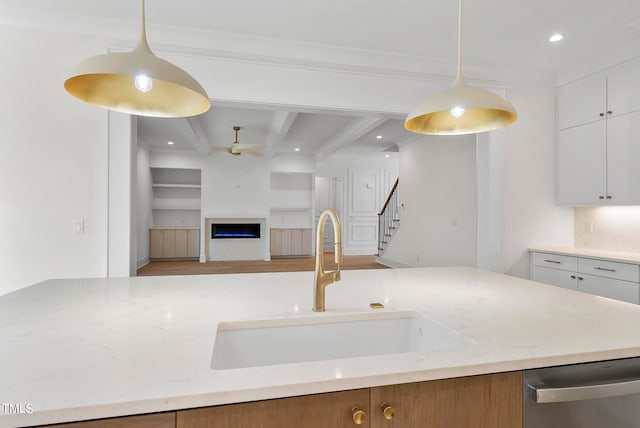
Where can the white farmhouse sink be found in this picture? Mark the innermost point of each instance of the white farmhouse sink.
(295, 340)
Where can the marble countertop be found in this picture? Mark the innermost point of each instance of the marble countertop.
(616, 256)
(80, 349)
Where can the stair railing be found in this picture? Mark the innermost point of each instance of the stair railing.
(388, 219)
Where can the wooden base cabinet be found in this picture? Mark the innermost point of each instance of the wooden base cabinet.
(331, 410)
(290, 242)
(154, 420)
(174, 243)
(487, 401)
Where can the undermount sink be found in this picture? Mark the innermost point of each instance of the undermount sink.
(294, 340)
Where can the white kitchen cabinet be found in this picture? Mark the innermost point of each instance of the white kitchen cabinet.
(608, 287)
(582, 101)
(615, 280)
(623, 159)
(599, 131)
(557, 277)
(582, 166)
(623, 88)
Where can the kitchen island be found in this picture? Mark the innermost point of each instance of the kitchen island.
(82, 349)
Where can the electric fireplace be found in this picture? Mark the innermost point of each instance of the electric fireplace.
(235, 230)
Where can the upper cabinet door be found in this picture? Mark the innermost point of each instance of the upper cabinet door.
(623, 159)
(582, 101)
(582, 170)
(624, 88)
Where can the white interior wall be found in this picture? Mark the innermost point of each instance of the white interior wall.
(122, 221)
(614, 228)
(176, 218)
(144, 199)
(531, 216)
(438, 203)
(53, 168)
(235, 186)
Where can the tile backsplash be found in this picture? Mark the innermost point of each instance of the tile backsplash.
(608, 228)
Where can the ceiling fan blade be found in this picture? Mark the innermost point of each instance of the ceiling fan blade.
(219, 149)
(240, 146)
(251, 152)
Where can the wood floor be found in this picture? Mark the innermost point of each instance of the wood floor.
(194, 267)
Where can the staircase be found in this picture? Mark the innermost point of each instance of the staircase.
(388, 220)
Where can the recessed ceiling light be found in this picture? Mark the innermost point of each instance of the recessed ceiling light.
(297, 149)
(555, 38)
(387, 156)
(379, 137)
(170, 143)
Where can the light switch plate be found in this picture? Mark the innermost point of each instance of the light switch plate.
(78, 227)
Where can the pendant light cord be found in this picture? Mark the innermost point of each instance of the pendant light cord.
(142, 44)
(459, 73)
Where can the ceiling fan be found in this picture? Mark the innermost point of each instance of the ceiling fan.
(236, 149)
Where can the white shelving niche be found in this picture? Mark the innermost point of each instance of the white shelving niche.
(176, 213)
(291, 214)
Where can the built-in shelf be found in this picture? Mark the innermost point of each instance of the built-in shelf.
(177, 186)
(176, 196)
(176, 204)
(291, 200)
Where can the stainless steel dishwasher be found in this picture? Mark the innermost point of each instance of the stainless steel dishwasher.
(592, 395)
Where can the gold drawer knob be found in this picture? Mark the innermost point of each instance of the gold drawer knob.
(359, 415)
(388, 411)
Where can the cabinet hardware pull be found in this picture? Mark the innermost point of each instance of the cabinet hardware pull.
(609, 196)
(552, 261)
(388, 411)
(609, 111)
(601, 268)
(359, 415)
(601, 114)
(600, 197)
(580, 278)
(573, 277)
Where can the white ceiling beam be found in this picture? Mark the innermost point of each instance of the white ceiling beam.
(201, 140)
(354, 130)
(280, 125)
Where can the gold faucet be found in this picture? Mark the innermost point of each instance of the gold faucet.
(322, 278)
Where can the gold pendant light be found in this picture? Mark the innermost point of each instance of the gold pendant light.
(137, 82)
(461, 109)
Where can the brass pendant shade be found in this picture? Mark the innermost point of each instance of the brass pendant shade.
(137, 82)
(461, 109)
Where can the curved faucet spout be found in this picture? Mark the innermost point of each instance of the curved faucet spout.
(322, 278)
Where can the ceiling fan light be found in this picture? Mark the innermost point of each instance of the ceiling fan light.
(137, 82)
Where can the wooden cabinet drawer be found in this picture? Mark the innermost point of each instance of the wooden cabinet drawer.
(609, 269)
(555, 261)
(611, 288)
(557, 277)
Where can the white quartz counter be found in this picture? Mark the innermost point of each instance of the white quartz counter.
(94, 348)
(616, 256)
